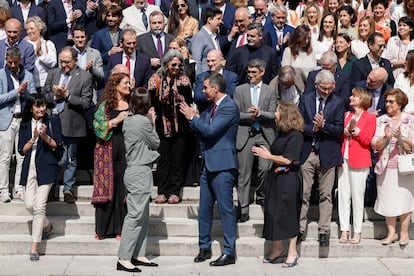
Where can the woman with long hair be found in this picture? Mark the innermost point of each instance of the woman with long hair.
(398, 46)
(39, 138)
(344, 53)
(359, 46)
(109, 158)
(331, 6)
(327, 35)
(405, 82)
(406, 9)
(168, 88)
(299, 53)
(312, 18)
(180, 23)
(283, 195)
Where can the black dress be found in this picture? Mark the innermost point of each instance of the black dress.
(109, 216)
(284, 190)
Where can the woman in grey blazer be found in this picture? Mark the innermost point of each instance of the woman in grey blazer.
(141, 144)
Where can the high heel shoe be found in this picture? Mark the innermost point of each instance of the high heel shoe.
(344, 237)
(356, 239)
(292, 264)
(403, 242)
(388, 241)
(119, 266)
(276, 260)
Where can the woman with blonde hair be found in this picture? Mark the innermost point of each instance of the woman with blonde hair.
(359, 46)
(359, 127)
(312, 18)
(283, 195)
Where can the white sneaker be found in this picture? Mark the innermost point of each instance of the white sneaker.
(5, 197)
(19, 195)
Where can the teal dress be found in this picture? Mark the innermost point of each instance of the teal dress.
(347, 67)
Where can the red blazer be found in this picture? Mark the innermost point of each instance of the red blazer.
(359, 152)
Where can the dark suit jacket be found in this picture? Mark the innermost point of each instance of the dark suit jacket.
(270, 29)
(142, 70)
(145, 45)
(80, 89)
(46, 161)
(218, 138)
(330, 136)
(200, 98)
(242, 55)
(362, 67)
(34, 10)
(228, 18)
(56, 21)
(381, 101)
(343, 86)
(102, 42)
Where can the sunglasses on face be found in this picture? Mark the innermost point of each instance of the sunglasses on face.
(175, 65)
(182, 5)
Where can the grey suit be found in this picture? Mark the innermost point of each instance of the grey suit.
(201, 44)
(246, 138)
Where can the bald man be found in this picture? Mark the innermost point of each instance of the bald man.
(13, 29)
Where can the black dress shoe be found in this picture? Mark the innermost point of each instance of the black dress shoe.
(119, 266)
(223, 260)
(34, 256)
(138, 262)
(323, 240)
(68, 197)
(260, 201)
(203, 255)
(244, 218)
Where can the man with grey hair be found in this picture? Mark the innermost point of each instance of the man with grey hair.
(289, 84)
(343, 88)
(254, 49)
(279, 32)
(138, 64)
(257, 105)
(323, 113)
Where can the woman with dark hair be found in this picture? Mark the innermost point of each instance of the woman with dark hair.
(394, 135)
(327, 35)
(347, 18)
(383, 25)
(180, 23)
(359, 127)
(405, 82)
(344, 53)
(39, 137)
(299, 54)
(284, 190)
(398, 46)
(168, 88)
(141, 144)
(109, 158)
(359, 46)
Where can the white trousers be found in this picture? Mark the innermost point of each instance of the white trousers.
(8, 139)
(35, 200)
(351, 187)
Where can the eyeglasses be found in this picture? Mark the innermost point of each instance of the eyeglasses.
(175, 65)
(389, 101)
(182, 5)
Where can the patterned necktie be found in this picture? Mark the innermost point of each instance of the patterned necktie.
(144, 18)
(159, 46)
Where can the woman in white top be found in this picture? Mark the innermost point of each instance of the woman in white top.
(45, 50)
(404, 9)
(359, 46)
(312, 18)
(299, 54)
(327, 35)
(398, 46)
(405, 82)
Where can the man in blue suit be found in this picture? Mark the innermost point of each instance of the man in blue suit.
(215, 61)
(17, 12)
(323, 113)
(279, 32)
(261, 12)
(216, 127)
(343, 88)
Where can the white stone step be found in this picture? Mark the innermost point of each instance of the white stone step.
(188, 246)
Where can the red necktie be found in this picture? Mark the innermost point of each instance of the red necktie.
(128, 63)
(241, 41)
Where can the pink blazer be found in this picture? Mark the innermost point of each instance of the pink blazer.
(359, 153)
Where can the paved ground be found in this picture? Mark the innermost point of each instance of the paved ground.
(102, 265)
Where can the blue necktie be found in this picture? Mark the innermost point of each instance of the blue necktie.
(144, 18)
(255, 97)
(61, 105)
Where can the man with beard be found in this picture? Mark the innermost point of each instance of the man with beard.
(155, 43)
(254, 49)
(106, 40)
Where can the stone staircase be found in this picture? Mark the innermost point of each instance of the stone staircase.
(173, 231)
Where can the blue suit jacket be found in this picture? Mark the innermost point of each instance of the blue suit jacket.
(102, 42)
(343, 86)
(200, 98)
(26, 50)
(56, 21)
(142, 70)
(16, 12)
(381, 102)
(362, 67)
(218, 138)
(274, 39)
(330, 136)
